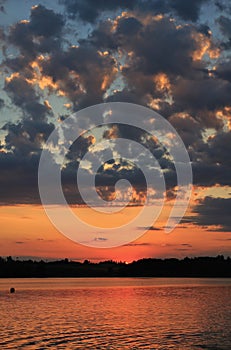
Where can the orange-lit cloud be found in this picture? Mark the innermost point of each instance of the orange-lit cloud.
(204, 46)
(162, 82)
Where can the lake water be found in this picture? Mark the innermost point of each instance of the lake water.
(115, 313)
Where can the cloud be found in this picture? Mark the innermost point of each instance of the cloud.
(163, 62)
(38, 34)
(225, 26)
(152, 228)
(162, 46)
(135, 51)
(143, 244)
(89, 10)
(205, 174)
(212, 212)
(220, 149)
(223, 70)
(129, 26)
(45, 22)
(189, 10)
(18, 179)
(26, 137)
(205, 94)
(189, 129)
(83, 74)
(213, 161)
(23, 95)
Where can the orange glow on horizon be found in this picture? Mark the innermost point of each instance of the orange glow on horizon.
(26, 231)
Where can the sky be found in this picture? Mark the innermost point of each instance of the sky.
(59, 57)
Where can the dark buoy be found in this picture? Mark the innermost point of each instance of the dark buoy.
(12, 290)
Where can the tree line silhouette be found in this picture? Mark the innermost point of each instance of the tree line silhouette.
(172, 267)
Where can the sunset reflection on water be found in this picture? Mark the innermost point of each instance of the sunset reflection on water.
(115, 314)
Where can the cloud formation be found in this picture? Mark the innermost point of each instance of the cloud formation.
(76, 53)
(90, 10)
(213, 213)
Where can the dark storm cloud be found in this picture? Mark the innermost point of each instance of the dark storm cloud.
(118, 171)
(219, 150)
(19, 172)
(18, 179)
(188, 128)
(210, 174)
(101, 36)
(211, 164)
(81, 72)
(204, 29)
(107, 176)
(162, 47)
(225, 26)
(126, 96)
(19, 165)
(138, 135)
(32, 37)
(45, 22)
(84, 72)
(89, 10)
(20, 64)
(128, 26)
(20, 90)
(213, 212)
(224, 23)
(27, 136)
(223, 70)
(221, 5)
(197, 95)
(187, 10)
(21, 36)
(23, 95)
(24, 138)
(40, 34)
(156, 46)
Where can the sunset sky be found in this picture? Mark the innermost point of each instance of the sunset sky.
(58, 57)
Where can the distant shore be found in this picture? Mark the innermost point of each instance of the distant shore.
(171, 267)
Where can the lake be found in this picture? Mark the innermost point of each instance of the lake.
(115, 313)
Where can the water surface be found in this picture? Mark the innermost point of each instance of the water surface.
(115, 313)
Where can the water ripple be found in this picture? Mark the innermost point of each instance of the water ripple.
(108, 317)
